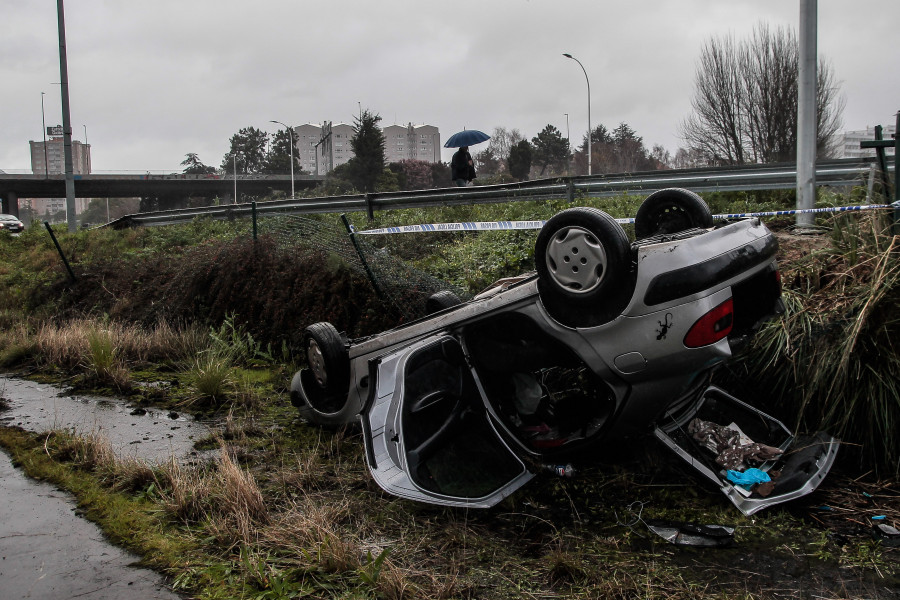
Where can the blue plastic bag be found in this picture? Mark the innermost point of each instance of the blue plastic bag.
(748, 478)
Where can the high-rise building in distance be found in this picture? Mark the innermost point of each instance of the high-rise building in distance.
(48, 158)
(321, 148)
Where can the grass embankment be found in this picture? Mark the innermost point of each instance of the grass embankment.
(285, 510)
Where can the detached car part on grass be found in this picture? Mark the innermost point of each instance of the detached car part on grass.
(608, 341)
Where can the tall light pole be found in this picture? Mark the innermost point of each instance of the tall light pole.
(567, 55)
(46, 156)
(569, 142)
(67, 121)
(806, 113)
(290, 131)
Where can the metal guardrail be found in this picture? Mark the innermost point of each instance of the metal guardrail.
(847, 172)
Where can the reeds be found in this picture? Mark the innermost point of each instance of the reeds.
(78, 342)
(836, 351)
(222, 496)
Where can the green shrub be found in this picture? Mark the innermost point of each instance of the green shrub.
(210, 377)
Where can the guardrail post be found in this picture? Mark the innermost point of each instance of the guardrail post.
(253, 214)
(570, 191)
(370, 209)
(59, 249)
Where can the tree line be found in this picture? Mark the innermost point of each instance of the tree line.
(744, 111)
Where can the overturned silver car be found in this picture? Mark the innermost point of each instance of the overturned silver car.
(608, 340)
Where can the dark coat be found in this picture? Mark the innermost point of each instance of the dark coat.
(460, 167)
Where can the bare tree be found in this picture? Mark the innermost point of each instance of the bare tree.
(660, 158)
(502, 141)
(716, 126)
(745, 101)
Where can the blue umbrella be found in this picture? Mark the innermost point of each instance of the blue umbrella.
(469, 137)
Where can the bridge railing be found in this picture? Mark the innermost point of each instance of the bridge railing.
(839, 173)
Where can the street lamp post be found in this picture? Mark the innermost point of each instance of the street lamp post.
(567, 55)
(46, 155)
(568, 142)
(291, 135)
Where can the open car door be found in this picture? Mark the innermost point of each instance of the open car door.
(793, 466)
(428, 436)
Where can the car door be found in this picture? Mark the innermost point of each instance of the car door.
(428, 436)
(798, 469)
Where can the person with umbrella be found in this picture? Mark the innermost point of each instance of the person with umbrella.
(462, 167)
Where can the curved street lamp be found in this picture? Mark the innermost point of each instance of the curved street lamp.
(291, 135)
(567, 55)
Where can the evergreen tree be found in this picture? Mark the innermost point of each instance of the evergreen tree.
(248, 151)
(519, 160)
(551, 149)
(194, 166)
(368, 149)
(278, 158)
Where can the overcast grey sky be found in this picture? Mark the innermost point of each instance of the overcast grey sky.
(152, 81)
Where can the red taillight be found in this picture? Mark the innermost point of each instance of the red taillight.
(711, 327)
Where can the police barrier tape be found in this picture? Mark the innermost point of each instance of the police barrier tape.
(520, 225)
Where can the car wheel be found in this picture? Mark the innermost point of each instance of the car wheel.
(320, 391)
(441, 300)
(670, 211)
(582, 257)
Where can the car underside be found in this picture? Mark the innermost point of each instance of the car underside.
(609, 340)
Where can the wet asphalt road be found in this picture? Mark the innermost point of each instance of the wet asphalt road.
(49, 552)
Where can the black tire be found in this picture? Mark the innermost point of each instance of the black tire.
(441, 300)
(320, 391)
(669, 211)
(583, 260)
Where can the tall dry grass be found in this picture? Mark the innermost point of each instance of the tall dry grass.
(68, 344)
(94, 452)
(221, 496)
(836, 351)
(16, 344)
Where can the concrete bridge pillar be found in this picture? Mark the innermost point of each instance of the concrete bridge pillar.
(10, 204)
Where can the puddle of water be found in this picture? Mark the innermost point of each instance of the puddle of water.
(153, 435)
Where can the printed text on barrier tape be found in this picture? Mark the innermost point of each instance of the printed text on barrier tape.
(523, 225)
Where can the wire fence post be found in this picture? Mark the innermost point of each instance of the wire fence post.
(253, 214)
(59, 249)
(362, 258)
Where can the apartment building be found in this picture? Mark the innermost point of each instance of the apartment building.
(412, 142)
(849, 144)
(321, 148)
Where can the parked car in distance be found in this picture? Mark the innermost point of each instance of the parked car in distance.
(11, 224)
(608, 341)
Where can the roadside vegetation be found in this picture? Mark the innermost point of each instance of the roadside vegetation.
(202, 319)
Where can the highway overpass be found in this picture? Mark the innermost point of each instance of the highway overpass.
(13, 187)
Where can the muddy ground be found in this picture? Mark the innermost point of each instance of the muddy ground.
(47, 550)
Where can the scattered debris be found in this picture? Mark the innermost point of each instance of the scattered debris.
(692, 534)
